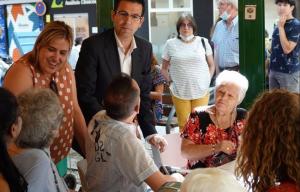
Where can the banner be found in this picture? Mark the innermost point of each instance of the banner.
(3, 40)
(23, 26)
(8, 2)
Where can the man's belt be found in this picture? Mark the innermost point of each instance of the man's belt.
(234, 68)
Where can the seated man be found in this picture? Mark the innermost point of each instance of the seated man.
(116, 158)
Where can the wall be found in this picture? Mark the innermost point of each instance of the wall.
(203, 13)
(80, 8)
(144, 30)
(270, 16)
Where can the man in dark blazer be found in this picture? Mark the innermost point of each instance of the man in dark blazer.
(106, 55)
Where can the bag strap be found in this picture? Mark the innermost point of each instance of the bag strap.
(203, 44)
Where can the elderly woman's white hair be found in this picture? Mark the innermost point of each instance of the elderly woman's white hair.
(236, 78)
(212, 180)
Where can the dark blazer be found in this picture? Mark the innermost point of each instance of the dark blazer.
(99, 63)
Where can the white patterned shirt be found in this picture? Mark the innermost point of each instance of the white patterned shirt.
(116, 158)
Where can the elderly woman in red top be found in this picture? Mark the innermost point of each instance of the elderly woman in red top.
(210, 137)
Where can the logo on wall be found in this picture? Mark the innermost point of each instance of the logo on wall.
(79, 2)
(72, 2)
(40, 8)
(57, 4)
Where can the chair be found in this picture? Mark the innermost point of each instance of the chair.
(169, 120)
(82, 167)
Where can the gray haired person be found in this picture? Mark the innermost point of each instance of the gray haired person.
(225, 39)
(42, 115)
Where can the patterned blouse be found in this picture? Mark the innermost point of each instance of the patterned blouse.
(157, 79)
(63, 143)
(201, 130)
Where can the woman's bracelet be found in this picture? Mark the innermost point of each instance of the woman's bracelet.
(213, 146)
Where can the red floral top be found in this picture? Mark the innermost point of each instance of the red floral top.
(285, 186)
(201, 130)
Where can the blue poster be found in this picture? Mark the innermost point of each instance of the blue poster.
(3, 44)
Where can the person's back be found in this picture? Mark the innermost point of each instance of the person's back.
(116, 158)
(42, 115)
(10, 126)
(37, 169)
(114, 161)
(270, 151)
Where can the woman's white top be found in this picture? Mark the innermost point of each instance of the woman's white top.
(188, 70)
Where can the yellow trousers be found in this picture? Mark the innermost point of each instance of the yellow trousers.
(185, 107)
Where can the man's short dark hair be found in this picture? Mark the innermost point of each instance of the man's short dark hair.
(291, 2)
(120, 97)
(141, 2)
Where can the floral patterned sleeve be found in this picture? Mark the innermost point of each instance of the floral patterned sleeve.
(191, 129)
(240, 126)
(157, 77)
(241, 120)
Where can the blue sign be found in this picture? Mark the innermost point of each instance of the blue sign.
(3, 40)
(40, 8)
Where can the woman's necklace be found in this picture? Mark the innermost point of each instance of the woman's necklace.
(231, 120)
(189, 41)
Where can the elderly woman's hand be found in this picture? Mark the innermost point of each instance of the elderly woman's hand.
(227, 147)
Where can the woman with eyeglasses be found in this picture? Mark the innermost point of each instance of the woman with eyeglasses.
(46, 66)
(188, 66)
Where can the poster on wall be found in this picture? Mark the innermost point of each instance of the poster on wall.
(3, 41)
(78, 21)
(9, 2)
(23, 26)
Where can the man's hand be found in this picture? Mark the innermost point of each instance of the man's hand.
(159, 142)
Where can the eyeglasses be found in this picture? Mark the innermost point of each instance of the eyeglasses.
(188, 25)
(53, 86)
(125, 15)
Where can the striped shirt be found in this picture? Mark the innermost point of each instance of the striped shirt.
(189, 70)
(226, 44)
